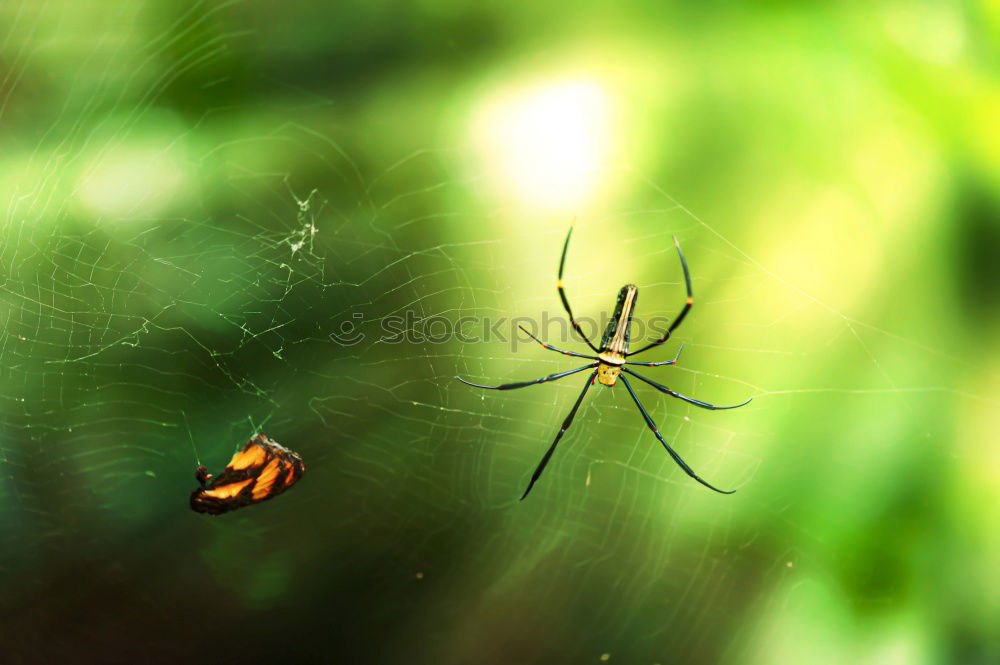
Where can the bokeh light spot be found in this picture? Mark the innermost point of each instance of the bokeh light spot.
(545, 144)
(139, 179)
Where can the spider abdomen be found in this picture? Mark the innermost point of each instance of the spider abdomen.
(614, 344)
(616, 335)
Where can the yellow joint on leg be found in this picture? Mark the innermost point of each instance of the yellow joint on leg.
(559, 283)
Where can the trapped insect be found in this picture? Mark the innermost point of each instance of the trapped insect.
(610, 363)
(261, 470)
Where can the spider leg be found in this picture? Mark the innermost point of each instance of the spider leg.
(662, 362)
(562, 430)
(562, 293)
(689, 400)
(684, 312)
(525, 384)
(677, 458)
(552, 348)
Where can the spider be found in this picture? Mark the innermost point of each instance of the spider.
(610, 363)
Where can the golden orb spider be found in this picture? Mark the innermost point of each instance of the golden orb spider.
(611, 361)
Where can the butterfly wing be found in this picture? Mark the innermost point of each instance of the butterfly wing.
(262, 469)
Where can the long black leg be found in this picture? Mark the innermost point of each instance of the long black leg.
(525, 384)
(662, 362)
(562, 430)
(689, 400)
(562, 294)
(552, 348)
(684, 312)
(677, 458)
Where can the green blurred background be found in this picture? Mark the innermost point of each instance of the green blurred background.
(197, 197)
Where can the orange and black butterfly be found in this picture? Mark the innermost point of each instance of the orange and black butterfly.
(261, 470)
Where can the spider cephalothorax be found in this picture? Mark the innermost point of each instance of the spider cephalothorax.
(610, 363)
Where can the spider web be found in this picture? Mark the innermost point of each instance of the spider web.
(147, 329)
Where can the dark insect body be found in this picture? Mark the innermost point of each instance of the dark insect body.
(610, 363)
(261, 470)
